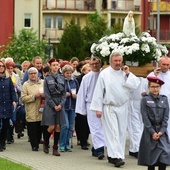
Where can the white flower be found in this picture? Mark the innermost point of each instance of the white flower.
(93, 47)
(105, 51)
(131, 47)
(145, 48)
(113, 45)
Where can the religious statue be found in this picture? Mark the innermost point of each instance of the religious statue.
(129, 24)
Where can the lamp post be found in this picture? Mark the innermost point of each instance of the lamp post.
(48, 49)
(158, 21)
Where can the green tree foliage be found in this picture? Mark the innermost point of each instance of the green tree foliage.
(94, 30)
(71, 42)
(76, 42)
(25, 46)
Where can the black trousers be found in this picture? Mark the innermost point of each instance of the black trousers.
(3, 131)
(34, 133)
(82, 129)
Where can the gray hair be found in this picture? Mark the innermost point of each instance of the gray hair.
(32, 69)
(67, 68)
(115, 54)
(94, 57)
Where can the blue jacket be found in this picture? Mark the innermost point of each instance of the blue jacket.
(70, 101)
(7, 96)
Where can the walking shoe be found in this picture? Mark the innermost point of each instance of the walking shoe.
(134, 154)
(55, 152)
(100, 155)
(19, 135)
(116, 162)
(3, 145)
(119, 163)
(45, 148)
(34, 149)
(9, 142)
(68, 149)
(84, 147)
(62, 149)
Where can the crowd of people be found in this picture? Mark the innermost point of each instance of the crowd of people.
(60, 97)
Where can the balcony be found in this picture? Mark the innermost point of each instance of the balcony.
(54, 34)
(68, 5)
(164, 35)
(164, 6)
(124, 5)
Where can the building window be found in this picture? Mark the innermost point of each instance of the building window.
(113, 22)
(60, 22)
(47, 22)
(53, 22)
(27, 20)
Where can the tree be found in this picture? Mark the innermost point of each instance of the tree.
(25, 46)
(71, 42)
(94, 30)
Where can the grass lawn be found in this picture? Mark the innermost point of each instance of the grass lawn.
(6, 164)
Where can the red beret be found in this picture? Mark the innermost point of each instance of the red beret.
(10, 64)
(53, 60)
(63, 63)
(155, 80)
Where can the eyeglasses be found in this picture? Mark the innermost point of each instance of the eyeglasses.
(93, 64)
(1, 66)
(32, 73)
(154, 87)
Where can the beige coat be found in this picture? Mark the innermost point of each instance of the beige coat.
(32, 106)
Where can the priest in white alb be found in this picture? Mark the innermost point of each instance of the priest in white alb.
(110, 99)
(83, 103)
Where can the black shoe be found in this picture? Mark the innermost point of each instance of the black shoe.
(119, 163)
(34, 149)
(9, 142)
(134, 154)
(94, 154)
(19, 135)
(116, 162)
(84, 147)
(100, 155)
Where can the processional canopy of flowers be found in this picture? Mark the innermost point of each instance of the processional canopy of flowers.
(142, 49)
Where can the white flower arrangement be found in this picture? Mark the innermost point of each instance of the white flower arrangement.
(142, 49)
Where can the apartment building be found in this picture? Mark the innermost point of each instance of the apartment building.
(48, 17)
(161, 10)
(27, 15)
(55, 14)
(7, 21)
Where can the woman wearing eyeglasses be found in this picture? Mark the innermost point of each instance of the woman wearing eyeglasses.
(7, 104)
(155, 145)
(31, 95)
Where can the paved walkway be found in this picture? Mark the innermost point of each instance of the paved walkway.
(78, 159)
